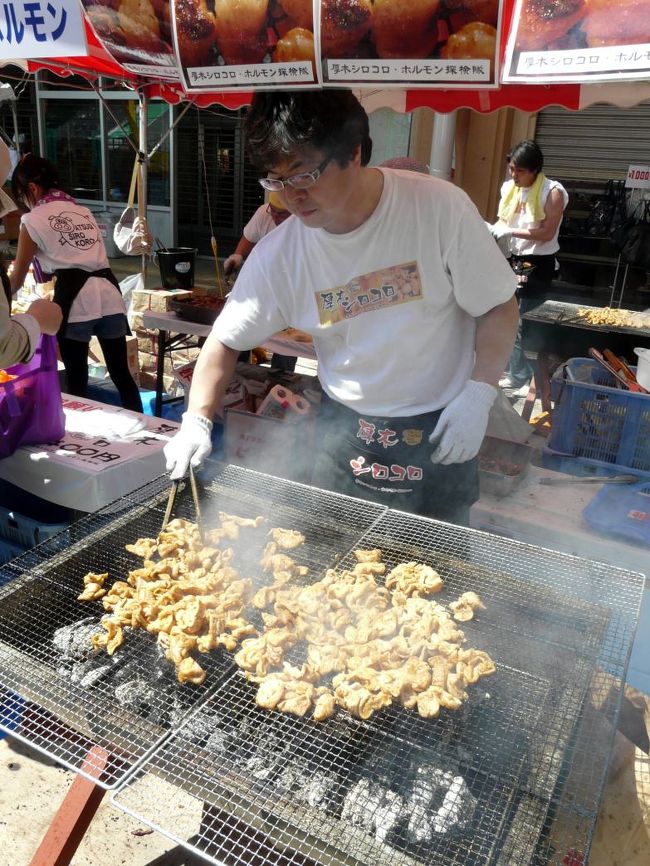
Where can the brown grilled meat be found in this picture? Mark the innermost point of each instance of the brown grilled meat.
(543, 22)
(622, 22)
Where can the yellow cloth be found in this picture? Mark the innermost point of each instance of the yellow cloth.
(534, 208)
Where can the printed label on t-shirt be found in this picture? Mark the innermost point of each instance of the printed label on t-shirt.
(75, 229)
(398, 284)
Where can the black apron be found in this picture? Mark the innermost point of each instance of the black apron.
(388, 461)
(69, 282)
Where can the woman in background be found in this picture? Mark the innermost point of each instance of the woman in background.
(63, 237)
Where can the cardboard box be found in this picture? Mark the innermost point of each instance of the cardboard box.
(96, 356)
(156, 300)
(10, 226)
(278, 447)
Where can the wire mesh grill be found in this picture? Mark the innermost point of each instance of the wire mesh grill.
(522, 757)
(395, 789)
(125, 704)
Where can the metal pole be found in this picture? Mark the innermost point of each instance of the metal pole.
(442, 145)
(142, 167)
(14, 114)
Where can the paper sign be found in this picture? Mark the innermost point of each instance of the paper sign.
(41, 28)
(638, 177)
(601, 40)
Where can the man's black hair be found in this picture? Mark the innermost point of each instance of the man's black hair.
(527, 154)
(33, 169)
(281, 124)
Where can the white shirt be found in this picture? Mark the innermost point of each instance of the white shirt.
(67, 236)
(259, 225)
(525, 246)
(391, 305)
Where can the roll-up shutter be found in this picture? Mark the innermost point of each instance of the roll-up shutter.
(596, 143)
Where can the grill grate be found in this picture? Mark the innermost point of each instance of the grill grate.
(371, 788)
(532, 755)
(126, 704)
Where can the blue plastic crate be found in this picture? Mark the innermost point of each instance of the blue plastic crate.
(595, 421)
(9, 550)
(621, 511)
(26, 531)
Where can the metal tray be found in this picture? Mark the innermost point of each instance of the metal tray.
(195, 313)
(502, 465)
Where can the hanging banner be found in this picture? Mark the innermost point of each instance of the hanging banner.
(245, 44)
(137, 34)
(578, 41)
(41, 28)
(427, 43)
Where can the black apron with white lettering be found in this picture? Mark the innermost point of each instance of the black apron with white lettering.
(387, 460)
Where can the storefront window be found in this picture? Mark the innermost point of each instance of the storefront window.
(73, 144)
(121, 156)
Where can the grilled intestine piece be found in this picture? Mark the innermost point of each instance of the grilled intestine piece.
(344, 24)
(405, 28)
(414, 578)
(93, 586)
(625, 22)
(465, 605)
(287, 539)
(374, 555)
(543, 22)
(240, 29)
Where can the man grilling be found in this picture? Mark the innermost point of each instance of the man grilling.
(409, 302)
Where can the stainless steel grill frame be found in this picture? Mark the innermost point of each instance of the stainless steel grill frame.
(65, 719)
(561, 625)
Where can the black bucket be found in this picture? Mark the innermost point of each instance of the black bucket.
(177, 267)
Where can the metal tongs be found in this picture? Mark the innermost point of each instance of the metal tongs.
(171, 500)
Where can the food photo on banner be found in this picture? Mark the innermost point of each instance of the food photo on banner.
(138, 35)
(424, 42)
(578, 40)
(257, 43)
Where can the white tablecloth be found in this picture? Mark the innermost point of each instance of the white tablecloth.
(106, 452)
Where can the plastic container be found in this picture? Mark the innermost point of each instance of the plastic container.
(595, 421)
(643, 369)
(622, 511)
(26, 520)
(177, 267)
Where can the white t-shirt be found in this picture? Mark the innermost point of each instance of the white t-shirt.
(259, 225)
(391, 305)
(524, 246)
(67, 236)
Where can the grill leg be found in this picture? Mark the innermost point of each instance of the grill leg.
(74, 816)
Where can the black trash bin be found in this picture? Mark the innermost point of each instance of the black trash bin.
(177, 267)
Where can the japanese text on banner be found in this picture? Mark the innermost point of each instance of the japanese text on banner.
(41, 28)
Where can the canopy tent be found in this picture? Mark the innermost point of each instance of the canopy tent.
(525, 97)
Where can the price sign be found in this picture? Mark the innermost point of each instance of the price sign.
(638, 177)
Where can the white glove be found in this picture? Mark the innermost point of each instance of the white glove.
(500, 230)
(233, 263)
(191, 445)
(461, 427)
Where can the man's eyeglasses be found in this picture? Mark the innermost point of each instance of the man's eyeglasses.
(297, 181)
